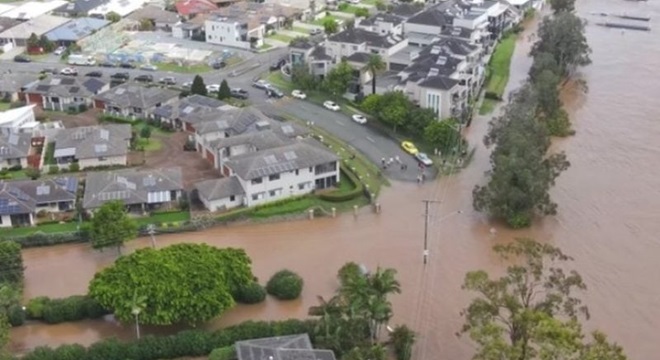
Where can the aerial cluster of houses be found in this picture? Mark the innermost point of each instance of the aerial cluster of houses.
(260, 159)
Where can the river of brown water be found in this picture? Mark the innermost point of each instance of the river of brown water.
(609, 212)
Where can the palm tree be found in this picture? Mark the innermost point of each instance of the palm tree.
(375, 65)
(379, 313)
(383, 283)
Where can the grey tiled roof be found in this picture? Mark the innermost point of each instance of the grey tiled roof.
(258, 141)
(20, 197)
(456, 32)
(319, 53)
(290, 347)
(14, 146)
(237, 121)
(407, 10)
(359, 57)
(383, 17)
(216, 189)
(68, 86)
(302, 43)
(155, 14)
(298, 155)
(455, 46)
(434, 61)
(438, 82)
(133, 95)
(95, 141)
(15, 82)
(361, 36)
(190, 107)
(130, 186)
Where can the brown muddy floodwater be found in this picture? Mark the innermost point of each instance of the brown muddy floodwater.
(609, 212)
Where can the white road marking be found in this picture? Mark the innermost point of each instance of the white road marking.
(372, 140)
(340, 123)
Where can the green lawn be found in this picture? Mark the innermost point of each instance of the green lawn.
(185, 69)
(500, 65)
(4, 106)
(320, 21)
(280, 37)
(370, 2)
(13, 175)
(48, 228)
(350, 9)
(151, 144)
(487, 106)
(301, 30)
(166, 217)
(49, 157)
(265, 46)
(233, 60)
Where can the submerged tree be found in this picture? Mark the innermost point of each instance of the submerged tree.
(563, 36)
(562, 5)
(531, 312)
(111, 226)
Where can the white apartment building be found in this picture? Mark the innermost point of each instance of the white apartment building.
(234, 32)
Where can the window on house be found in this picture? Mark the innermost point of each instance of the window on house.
(274, 177)
(232, 198)
(257, 181)
(311, 168)
(343, 46)
(255, 196)
(354, 47)
(276, 192)
(301, 186)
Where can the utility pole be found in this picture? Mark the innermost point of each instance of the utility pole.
(427, 204)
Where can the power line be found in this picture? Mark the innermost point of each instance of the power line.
(427, 204)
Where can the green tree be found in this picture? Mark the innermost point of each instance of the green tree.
(402, 340)
(198, 86)
(547, 92)
(531, 311)
(330, 25)
(113, 17)
(418, 120)
(111, 226)
(338, 79)
(562, 5)
(380, 5)
(563, 36)
(33, 40)
(443, 135)
(145, 132)
(46, 44)
(189, 283)
(522, 171)
(302, 78)
(371, 104)
(543, 62)
(375, 352)
(395, 108)
(285, 285)
(4, 336)
(146, 25)
(375, 65)
(11, 262)
(362, 12)
(32, 173)
(225, 91)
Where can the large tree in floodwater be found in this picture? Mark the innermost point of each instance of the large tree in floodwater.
(563, 36)
(531, 312)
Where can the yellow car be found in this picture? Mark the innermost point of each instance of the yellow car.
(409, 147)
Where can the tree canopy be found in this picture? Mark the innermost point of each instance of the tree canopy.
(563, 36)
(330, 26)
(375, 65)
(111, 226)
(562, 5)
(198, 86)
(113, 17)
(531, 312)
(443, 135)
(11, 262)
(338, 79)
(189, 283)
(224, 92)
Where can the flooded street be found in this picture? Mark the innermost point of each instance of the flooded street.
(609, 207)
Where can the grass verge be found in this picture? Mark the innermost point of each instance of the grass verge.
(280, 37)
(4, 106)
(487, 106)
(151, 144)
(301, 30)
(499, 66)
(184, 69)
(320, 21)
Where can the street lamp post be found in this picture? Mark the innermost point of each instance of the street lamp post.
(151, 230)
(136, 312)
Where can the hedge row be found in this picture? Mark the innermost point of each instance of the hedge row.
(72, 308)
(39, 238)
(347, 175)
(190, 343)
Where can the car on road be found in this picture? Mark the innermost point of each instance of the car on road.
(22, 59)
(360, 119)
(127, 65)
(97, 74)
(261, 84)
(59, 51)
(315, 31)
(120, 76)
(298, 94)
(144, 78)
(409, 147)
(168, 80)
(238, 93)
(424, 159)
(148, 67)
(213, 88)
(107, 64)
(331, 105)
(69, 71)
(277, 64)
(274, 92)
(217, 65)
(187, 85)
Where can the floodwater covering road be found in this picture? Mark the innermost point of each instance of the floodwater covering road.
(608, 221)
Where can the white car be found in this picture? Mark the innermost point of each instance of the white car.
(60, 50)
(187, 85)
(69, 71)
(213, 88)
(298, 94)
(331, 105)
(359, 119)
(424, 159)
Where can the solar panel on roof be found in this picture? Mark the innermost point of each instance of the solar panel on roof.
(149, 181)
(290, 155)
(270, 159)
(100, 148)
(74, 89)
(68, 81)
(104, 134)
(43, 190)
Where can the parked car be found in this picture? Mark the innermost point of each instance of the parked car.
(360, 119)
(22, 59)
(59, 51)
(120, 76)
(69, 71)
(187, 85)
(127, 65)
(239, 94)
(274, 92)
(217, 65)
(424, 159)
(331, 105)
(148, 67)
(315, 31)
(261, 84)
(168, 80)
(298, 94)
(107, 64)
(278, 64)
(97, 74)
(213, 88)
(409, 147)
(144, 78)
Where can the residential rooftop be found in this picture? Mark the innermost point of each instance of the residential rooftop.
(33, 9)
(23, 196)
(93, 141)
(68, 86)
(216, 189)
(15, 146)
(135, 95)
(361, 36)
(290, 347)
(79, 7)
(38, 26)
(76, 29)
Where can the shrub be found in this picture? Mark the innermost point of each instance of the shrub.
(53, 169)
(250, 294)
(40, 238)
(285, 285)
(35, 307)
(74, 167)
(223, 353)
(16, 315)
(16, 168)
(73, 308)
(347, 175)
